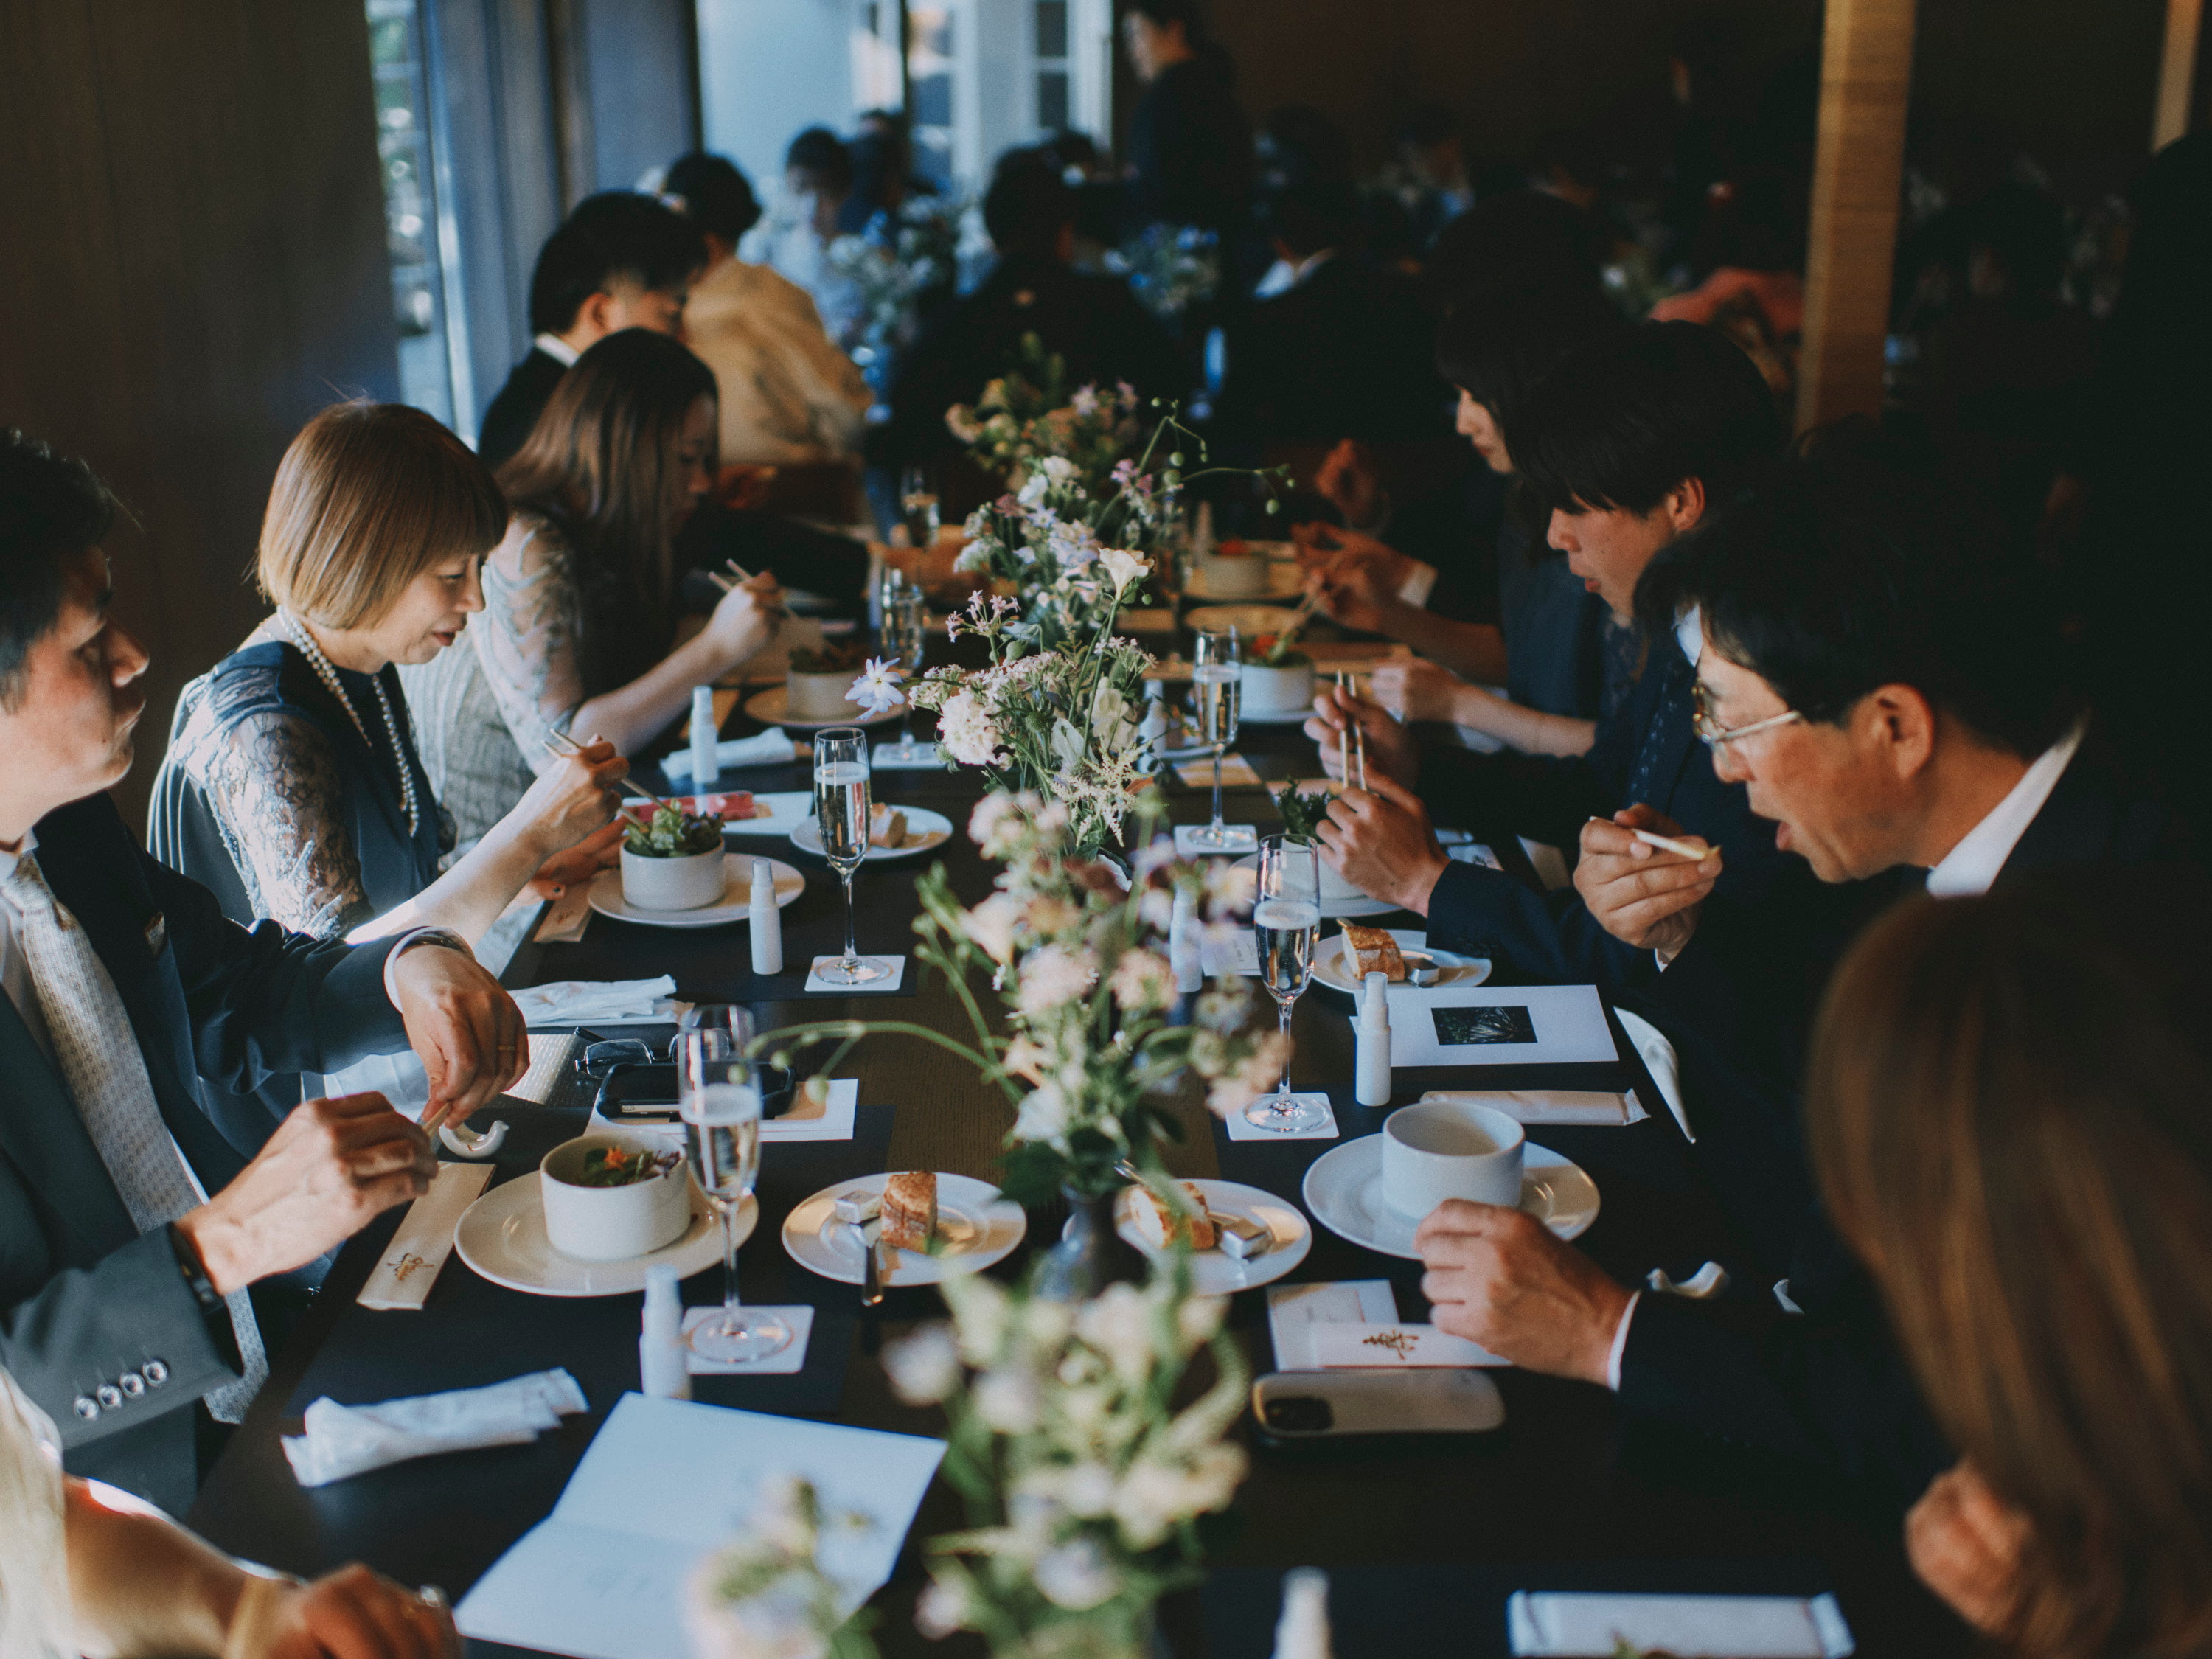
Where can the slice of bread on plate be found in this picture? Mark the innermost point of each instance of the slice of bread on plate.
(1158, 1225)
(910, 1210)
(1370, 950)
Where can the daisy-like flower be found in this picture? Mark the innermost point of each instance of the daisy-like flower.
(1085, 400)
(878, 688)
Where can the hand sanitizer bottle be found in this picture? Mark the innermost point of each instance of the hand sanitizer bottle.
(706, 738)
(662, 1371)
(763, 920)
(1303, 1631)
(1370, 1063)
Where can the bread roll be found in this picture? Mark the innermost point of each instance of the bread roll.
(1370, 949)
(910, 1210)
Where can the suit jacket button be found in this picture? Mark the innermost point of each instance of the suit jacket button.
(131, 1383)
(155, 1372)
(85, 1406)
(110, 1397)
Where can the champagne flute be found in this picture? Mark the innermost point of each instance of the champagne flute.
(917, 507)
(1216, 675)
(905, 638)
(841, 812)
(718, 1102)
(1286, 924)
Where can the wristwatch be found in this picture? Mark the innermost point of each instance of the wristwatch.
(443, 937)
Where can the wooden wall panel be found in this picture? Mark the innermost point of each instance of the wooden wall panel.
(193, 264)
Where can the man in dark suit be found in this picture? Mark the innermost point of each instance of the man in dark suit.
(131, 1227)
(1896, 701)
(1634, 440)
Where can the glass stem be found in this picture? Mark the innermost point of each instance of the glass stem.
(731, 1301)
(1218, 832)
(851, 948)
(1283, 1024)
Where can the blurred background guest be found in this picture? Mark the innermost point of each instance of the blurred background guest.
(1189, 148)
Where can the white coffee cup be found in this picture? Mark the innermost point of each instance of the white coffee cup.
(1450, 1149)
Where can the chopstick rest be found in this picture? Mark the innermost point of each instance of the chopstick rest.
(425, 1238)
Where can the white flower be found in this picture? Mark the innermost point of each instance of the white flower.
(960, 420)
(1007, 1400)
(878, 688)
(1057, 468)
(941, 1609)
(1086, 401)
(1199, 1317)
(1031, 492)
(924, 1368)
(1043, 1116)
(992, 925)
(1076, 1576)
(1123, 568)
(1118, 1322)
(1053, 975)
(964, 726)
(1025, 1059)
(1142, 979)
(1075, 546)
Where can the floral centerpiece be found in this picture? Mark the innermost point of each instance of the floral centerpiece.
(765, 1596)
(1085, 1485)
(1170, 268)
(902, 256)
(1028, 416)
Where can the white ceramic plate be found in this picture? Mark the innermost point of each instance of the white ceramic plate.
(977, 1226)
(924, 830)
(1212, 1273)
(1248, 620)
(1284, 582)
(1332, 910)
(1248, 715)
(768, 708)
(737, 875)
(1344, 1189)
(1329, 970)
(778, 809)
(502, 1237)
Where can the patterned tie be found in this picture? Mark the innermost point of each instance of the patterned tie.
(1671, 712)
(99, 1062)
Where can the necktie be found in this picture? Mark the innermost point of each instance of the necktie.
(1671, 709)
(97, 1054)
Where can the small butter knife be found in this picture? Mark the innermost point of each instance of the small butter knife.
(872, 1281)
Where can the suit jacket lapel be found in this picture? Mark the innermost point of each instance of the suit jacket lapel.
(44, 1137)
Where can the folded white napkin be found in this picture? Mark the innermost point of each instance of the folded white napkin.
(345, 1440)
(1557, 1622)
(1658, 1056)
(1551, 1105)
(583, 1000)
(761, 749)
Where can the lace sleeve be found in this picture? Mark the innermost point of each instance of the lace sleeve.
(525, 641)
(282, 807)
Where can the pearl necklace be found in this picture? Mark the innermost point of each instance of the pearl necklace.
(296, 631)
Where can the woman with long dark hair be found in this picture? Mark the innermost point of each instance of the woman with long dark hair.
(577, 637)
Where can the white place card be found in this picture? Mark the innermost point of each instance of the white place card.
(1294, 1312)
(1241, 1128)
(1239, 955)
(888, 982)
(667, 1481)
(1391, 1346)
(1499, 1026)
(786, 1361)
(1568, 1624)
(1236, 772)
(411, 1261)
(1242, 838)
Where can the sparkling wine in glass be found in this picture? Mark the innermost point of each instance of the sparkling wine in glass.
(840, 808)
(905, 638)
(1216, 677)
(917, 507)
(1285, 926)
(718, 1102)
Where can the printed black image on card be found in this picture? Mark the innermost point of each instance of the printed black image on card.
(1469, 1025)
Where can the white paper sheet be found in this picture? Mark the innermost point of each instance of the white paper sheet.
(1536, 1025)
(665, 1481)
(1294, 1311)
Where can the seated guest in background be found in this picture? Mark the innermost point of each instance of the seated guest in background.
(619, 260)
(786, 394)
(123, 1285)
(1563, 657)
(82, 1572)
(577, 636)
(291, 788)
(1094, 324)
(1632, 441)
(1514, 239)
(2007, 1111)
(817, 183)
(1436, 187)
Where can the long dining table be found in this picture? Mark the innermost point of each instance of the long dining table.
(1424, 1536)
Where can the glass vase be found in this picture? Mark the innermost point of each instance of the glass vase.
(1091, 1254)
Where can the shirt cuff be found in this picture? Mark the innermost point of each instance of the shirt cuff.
(1620, 1343)
(407, 941)
(1418, 586)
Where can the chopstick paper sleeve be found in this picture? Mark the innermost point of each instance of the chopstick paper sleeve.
(425, 1238)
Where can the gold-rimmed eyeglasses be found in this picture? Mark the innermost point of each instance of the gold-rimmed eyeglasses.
(1715, 735)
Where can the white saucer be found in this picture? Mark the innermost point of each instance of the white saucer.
(768, 708)
(924, 830)
(1344, 1189)
(736, 891)
(1248, 620)
(1332, 910)
(1284, 582)
(1213, 1273)
(502, 1237)
(977, 1226)
(1328, 967)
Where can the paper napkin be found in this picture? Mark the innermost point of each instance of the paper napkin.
(1551, 1105)
(584, 1001)
(1658, 1056)
(769, 748)
(1564, 1623)
(889, 982)
(1242, 838)
(425, 1238)
(831, 1120)
(1237, 772)
(1241, 1128)
(1391, 1346)
(1296, 1312)
(784, 1362)
(344, 1440)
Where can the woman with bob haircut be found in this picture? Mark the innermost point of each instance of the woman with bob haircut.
(2011, 1116)
(579, 630)
(292, 787)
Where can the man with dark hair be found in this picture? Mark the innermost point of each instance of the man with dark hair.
(1878, 675)
(132, 1225)
(1631, 441)
(1189, 146)
(1093, 323)
(619, 260)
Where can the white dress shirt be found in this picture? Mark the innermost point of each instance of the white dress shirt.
(1971, 868)
(557, 348)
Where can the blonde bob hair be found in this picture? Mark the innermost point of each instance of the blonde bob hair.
(367, 497)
